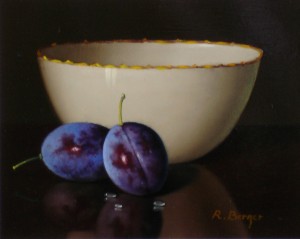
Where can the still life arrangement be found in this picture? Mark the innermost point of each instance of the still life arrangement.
(186, 95)
(183, 98)
(131, 154)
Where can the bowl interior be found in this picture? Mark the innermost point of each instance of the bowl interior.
(153, 53)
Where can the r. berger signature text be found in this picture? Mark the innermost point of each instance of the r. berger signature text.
(236, 216)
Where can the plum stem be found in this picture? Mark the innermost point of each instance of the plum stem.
(27, 161)
(120, 109)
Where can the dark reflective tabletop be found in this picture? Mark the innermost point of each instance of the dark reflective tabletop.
(247, 187)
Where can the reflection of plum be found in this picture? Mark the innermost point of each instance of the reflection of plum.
(135, 219)
(73, 205)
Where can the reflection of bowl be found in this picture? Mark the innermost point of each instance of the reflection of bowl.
(202, 208)
(191, 93)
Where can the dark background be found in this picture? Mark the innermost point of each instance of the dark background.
(258, 163)
(272, 25)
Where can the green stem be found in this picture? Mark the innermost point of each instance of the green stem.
(27, 161)
(120, 109)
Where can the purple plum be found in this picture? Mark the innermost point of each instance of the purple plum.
(74, 151)
(135, 157)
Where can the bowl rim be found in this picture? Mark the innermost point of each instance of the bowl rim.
(44, 57)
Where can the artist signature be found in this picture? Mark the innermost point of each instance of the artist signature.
(236, 216)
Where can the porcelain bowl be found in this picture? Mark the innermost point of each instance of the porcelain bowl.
(191, 93)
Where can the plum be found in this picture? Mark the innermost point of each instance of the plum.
(135, 157)
(74, 151)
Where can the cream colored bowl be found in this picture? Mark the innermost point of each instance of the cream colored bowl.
(191, 93)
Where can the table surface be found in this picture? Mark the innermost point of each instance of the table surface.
(246, 187)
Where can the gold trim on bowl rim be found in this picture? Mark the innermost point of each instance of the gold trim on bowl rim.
(42, 56)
